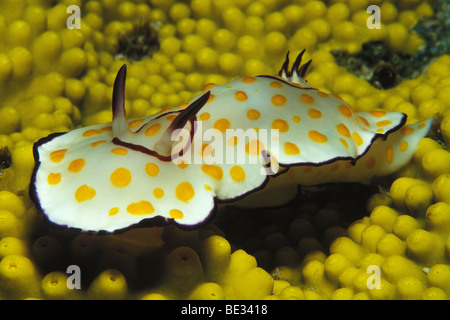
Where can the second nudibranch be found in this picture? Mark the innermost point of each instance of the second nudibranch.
(242, 142)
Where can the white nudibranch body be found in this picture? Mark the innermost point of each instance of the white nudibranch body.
(251, 141)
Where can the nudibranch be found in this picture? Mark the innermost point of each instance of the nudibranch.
(250, 142)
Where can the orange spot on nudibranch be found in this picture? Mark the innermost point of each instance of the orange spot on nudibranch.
(213, 171)
(389, 154)
(140, 208)
(211, 98)
(171, 117)
(153, 129)
(384, 123)
(318, 137)
(133, 124)
(205, 116)
(97, 143)
(364, 120)
(291, 148)
(377, 113)
(54, 178)
(121, 177)
(344, 142)
(253, 114)
(276, 84)
(248, 79)
(206, 150)
(113, 211)
(280, 124)
(184, 192)
(345, 110)
(357, 138)
(254, 147)
(151, 169)
(307, 169)
(84, 193)
(296, 119)
(91, 132)
(314, 113)
(208, 86)
(222, 124)
(370, 163)
(291, 173)
(343, 130)
(335, 166)
(322, 94)
(183, 105)
(158, 193)
(403, 146)
(306, 98)
(278, 100)
(58, 155)
(406, 131)
(106, 129)
(237, 173)
(119, 151)
(233, 141)
(240, 96)
(176, 214)
(182, 164)
(76, 165)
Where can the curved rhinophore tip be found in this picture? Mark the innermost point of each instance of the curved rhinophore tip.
(118, 103)
(297, 72)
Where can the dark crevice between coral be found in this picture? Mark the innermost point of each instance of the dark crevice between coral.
(5, 158)
(138, 43)
(384, 68)
(284, 236)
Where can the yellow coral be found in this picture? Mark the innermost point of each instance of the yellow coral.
(110, 284)
(19, 277)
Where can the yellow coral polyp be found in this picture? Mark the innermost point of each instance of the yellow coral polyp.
(396, 267)
(401, 186)
(253, 284)
(436, 162)
(22, 62)
(384, 216)
(439, 276)
(19, 277)
(438, 218)
(6, 67)
(425, 246)
(10, 225)
(13, 246)
(348, 248)
(441, 188)
(207, 291)
(389, 244)
(110, 284)
(54, 287)
(11, 120)
(19, 33)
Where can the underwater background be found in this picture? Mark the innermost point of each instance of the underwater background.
(390, 240)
